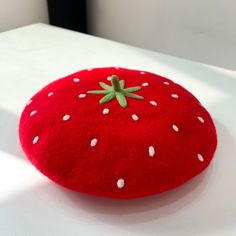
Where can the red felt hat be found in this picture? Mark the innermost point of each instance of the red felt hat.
(118, 133)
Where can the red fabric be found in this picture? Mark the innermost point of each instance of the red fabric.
(63, 152)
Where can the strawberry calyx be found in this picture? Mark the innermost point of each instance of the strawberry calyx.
(116, 90)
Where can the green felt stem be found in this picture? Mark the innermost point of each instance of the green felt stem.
(115, 83)
(116, 90)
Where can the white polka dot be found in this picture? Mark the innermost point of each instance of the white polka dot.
(200, 157)
(145, 84)
(151, 151)
(175, 128)
(82, 95)
(175, 95)
(120, 183)
(90, 69)
(50, 94)
(153, 103)
(29, 102)
(105, 111)
(201, 119)
(109, 78)
(117, 68)
(142, 72)
(166, 83)
(33, 113)
(35, 139)
(135, 117)
(76, 80)
(66, 117)
(93, 142)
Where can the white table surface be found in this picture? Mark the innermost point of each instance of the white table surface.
(30, 204)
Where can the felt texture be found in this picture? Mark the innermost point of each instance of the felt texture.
(150, 146)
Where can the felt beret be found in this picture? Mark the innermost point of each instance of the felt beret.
(117, 133)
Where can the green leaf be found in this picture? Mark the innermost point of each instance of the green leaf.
(122, 83)
(105, 86)
(107, 97)
(121, 99)
(116, 90)
(98, 92)
(132, 95)
(133, 89)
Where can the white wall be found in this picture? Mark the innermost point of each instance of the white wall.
(15, 13)
(201, 30)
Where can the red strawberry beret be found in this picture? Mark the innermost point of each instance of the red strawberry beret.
(117, 133)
